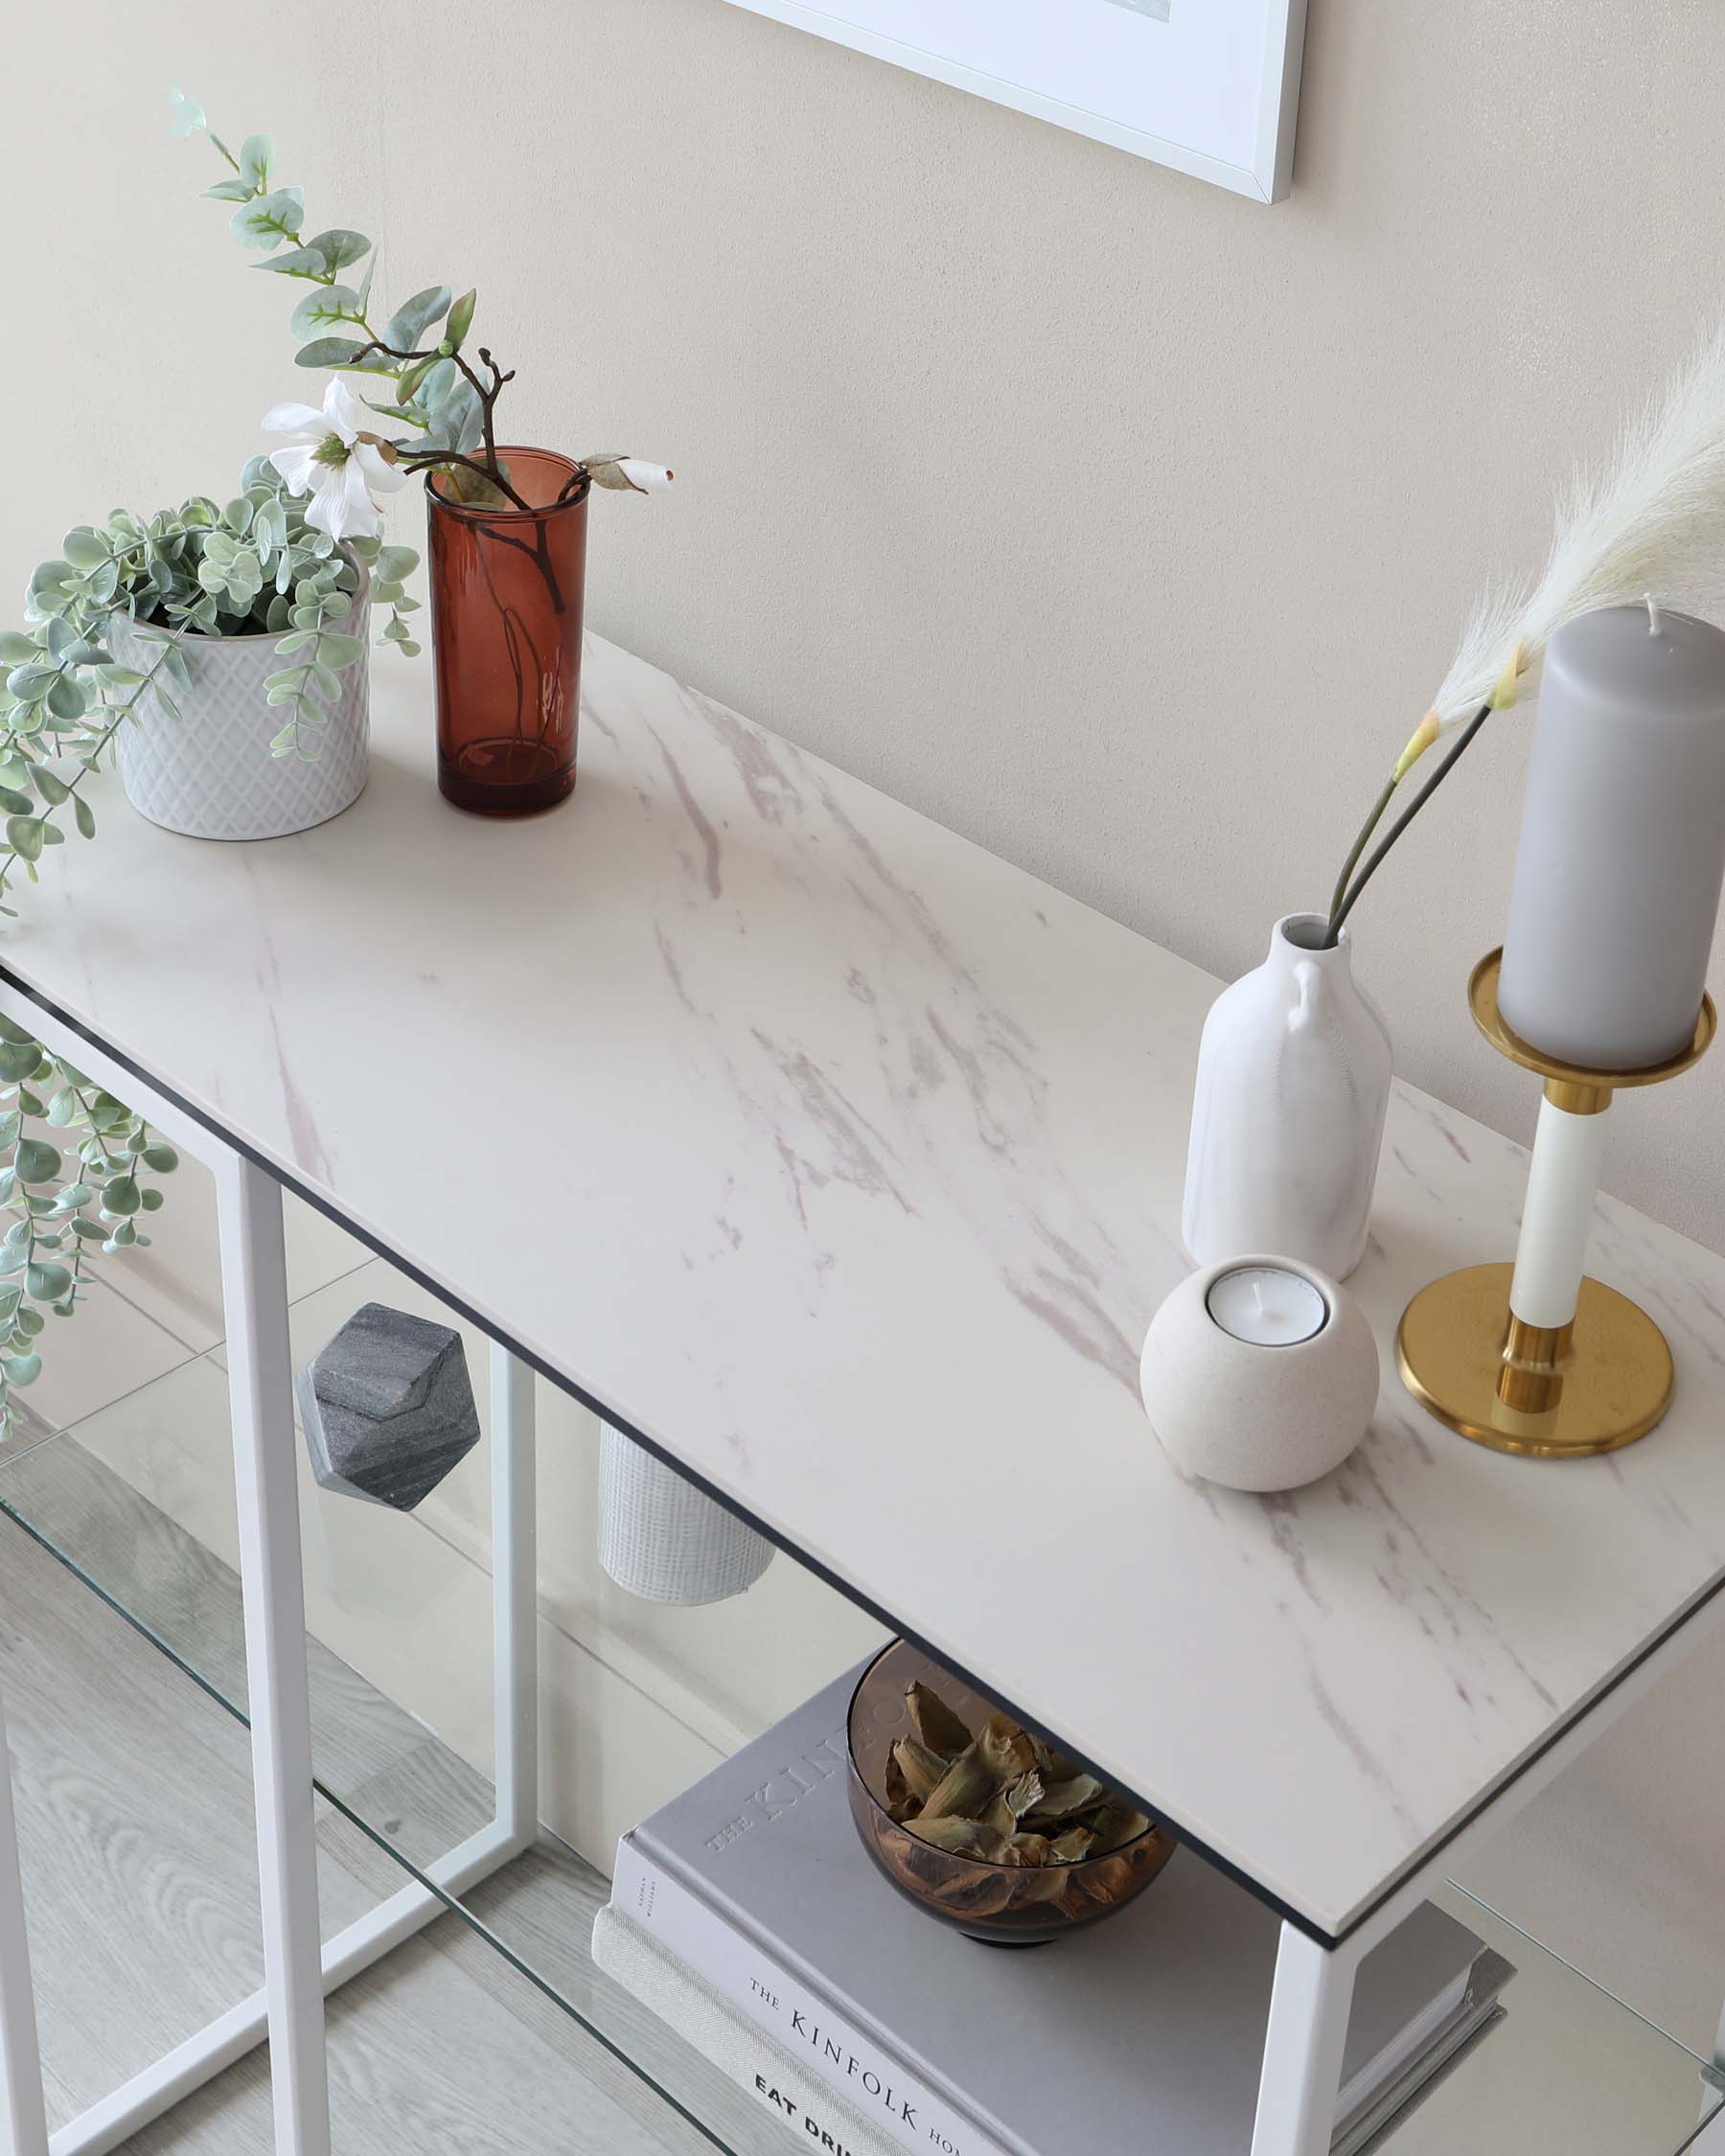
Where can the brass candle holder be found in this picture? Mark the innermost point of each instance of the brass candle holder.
(1536, 1357)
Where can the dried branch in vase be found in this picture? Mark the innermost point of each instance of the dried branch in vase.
(446, 405)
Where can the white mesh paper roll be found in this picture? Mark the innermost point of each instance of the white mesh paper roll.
(663, 1539)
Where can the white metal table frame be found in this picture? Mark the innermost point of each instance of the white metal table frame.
(1314, 1982)
(299, 1970)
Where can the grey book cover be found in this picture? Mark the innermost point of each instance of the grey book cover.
(1140, 2033)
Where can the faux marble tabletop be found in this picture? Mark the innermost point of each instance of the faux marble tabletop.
(856, 1180)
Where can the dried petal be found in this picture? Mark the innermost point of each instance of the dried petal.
(1066, 1800)
(1006, 1749)
(966, 1790)
(1116, 1824)
(913, 1771)
(935, 1723)
(960, 1837)
(1052, 1766)
(1026, 1793)
(1073, 1847)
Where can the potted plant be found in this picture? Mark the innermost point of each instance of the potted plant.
(507, 524)
(215, 653)
(241, 628)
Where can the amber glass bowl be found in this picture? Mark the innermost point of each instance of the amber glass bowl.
(1002, 1904)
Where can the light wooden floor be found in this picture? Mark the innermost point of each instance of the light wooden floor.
(140, 1876)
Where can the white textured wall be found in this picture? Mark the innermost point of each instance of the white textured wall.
(1119, 521)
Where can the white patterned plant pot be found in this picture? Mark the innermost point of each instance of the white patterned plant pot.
(663, 1539)
(208, 772)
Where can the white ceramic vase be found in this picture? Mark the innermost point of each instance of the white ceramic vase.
(1288, 1112)
(208, 772)
(663, 1539)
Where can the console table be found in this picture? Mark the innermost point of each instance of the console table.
(867, 1173)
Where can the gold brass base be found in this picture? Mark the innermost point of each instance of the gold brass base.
(1593, 1388)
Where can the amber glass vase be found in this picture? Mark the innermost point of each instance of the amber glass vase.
(506, 597)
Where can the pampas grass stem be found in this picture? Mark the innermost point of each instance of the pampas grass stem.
(1653, 522)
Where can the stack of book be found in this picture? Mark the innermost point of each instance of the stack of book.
(748, 1915)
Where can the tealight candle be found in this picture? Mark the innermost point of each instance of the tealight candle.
(1266, 1306)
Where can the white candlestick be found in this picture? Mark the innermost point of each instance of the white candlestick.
(1557, 1216)
(1266, 1306)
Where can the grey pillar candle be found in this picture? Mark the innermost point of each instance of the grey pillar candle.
(1622, 841)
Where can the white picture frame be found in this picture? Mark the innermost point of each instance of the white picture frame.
(1210, 87)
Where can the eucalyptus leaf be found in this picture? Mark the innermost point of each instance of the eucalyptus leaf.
(308, 261)
(255, 154)
(410, 321)
(322, 311)
(329, 352)
(84, 548)
(407, 388)
(35, 1160)
(340, 247)
(270, 219)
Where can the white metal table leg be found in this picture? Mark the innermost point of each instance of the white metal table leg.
(515, 1827)
(254, 1288)
(22, 2116)
(1303, 2048)
(515, 1597)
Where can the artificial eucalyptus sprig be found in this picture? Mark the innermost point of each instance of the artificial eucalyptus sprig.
(61, 1214)
(1654, 521)
(445, 402)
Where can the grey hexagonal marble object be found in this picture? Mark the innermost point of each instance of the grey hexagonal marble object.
(389, 1407)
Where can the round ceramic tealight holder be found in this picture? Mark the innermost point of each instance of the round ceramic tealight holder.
(1259, 1373)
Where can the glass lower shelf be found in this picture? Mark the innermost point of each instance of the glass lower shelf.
(496, 2010)
(491, 2028)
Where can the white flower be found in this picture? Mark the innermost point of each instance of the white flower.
(334, 460)
(646, 478)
